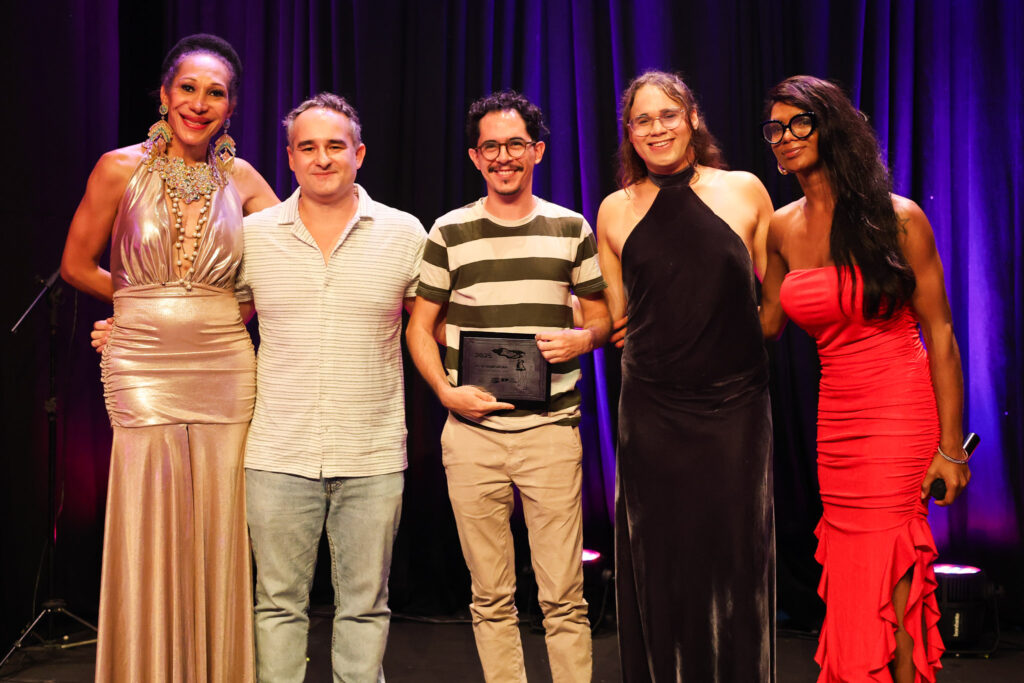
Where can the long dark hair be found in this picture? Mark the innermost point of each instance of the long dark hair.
(706, 152)
(865, 229)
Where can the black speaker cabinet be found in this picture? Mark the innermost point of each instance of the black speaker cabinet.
(969, 618)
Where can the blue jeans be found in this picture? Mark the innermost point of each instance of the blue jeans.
(287, 514)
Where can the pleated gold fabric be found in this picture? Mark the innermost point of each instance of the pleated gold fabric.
(142, 242)
(179, 383)
(178, 357)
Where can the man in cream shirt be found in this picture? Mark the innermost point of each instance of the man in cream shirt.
(328, 271)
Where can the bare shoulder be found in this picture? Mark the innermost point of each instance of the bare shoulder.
(616, 218)
(613, 203)
(130, 155)
(912, 219)
(907, 210)
(111, 174)
(787, 217)
(245, 176)
(255, 192)
(613, 210)
(119, 163)
(243, 170)
(741, 181)
(789, 211)
(916, 232)
(730, 186)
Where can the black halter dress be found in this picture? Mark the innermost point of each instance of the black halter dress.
(695, 539)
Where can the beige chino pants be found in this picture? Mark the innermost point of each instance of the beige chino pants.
(544, 463)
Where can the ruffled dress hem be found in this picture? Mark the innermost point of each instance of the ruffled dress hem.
(911, 547)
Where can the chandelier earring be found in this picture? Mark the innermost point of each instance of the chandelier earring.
(160, 134)
(782, 171)
(224, 150)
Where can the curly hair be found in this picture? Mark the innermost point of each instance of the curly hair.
(326, 100)
(506, 100)
(203, 43)
(706, 151)
(865, 228)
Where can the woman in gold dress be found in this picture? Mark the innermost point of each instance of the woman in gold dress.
(179, 379)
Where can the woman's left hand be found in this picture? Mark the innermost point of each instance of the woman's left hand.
(956, 478)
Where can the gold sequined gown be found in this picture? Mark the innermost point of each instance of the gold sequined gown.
(179, 382)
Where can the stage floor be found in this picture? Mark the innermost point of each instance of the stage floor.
(427, 652)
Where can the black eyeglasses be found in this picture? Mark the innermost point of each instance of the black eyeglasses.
(516, 147)
(801, 126)
(643, 125)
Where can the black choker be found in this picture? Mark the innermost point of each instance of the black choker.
(682, 178)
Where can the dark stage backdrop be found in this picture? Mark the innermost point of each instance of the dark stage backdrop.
(941, 82)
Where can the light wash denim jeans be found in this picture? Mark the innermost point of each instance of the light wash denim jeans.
(287, 514)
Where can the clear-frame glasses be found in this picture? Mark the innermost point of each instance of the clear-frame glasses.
(515, 147)
(643, 125)
(801, 126)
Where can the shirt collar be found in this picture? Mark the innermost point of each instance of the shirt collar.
(290, 207)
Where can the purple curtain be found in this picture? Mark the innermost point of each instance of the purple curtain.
(940, 81)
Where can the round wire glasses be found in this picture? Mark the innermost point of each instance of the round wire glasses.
(643, 125)
(515, 148)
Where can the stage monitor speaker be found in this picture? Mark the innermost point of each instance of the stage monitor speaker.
(969, 616)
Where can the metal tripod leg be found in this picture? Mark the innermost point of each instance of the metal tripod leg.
(50, 607)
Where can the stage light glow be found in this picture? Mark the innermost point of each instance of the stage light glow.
(955, 569)
(591, 555)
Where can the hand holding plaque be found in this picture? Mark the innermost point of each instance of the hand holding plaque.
(508, 365)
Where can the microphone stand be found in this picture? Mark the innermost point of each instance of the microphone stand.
(53, 606)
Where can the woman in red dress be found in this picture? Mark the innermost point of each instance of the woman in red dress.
(856, 267)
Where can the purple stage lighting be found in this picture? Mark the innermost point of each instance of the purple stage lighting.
(956, 569)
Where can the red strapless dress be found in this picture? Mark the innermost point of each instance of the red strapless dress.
(877, 432)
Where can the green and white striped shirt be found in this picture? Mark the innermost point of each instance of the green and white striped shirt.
(512, 276)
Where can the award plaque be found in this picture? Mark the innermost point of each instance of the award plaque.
(506, 364)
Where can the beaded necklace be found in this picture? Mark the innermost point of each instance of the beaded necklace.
(186, 184)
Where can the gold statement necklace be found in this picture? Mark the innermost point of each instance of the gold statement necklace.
(185, 184)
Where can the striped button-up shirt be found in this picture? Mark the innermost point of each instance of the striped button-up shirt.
(329, 397)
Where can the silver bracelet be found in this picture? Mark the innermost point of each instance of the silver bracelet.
(953, 460)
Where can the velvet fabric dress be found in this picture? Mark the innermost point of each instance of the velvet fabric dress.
(877, 432)
(179, 383)
(695, 545)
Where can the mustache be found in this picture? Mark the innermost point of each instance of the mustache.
(494, 168)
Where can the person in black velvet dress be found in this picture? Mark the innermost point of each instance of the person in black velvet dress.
(695, 545)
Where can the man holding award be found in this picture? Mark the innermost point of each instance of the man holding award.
(506, 267)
